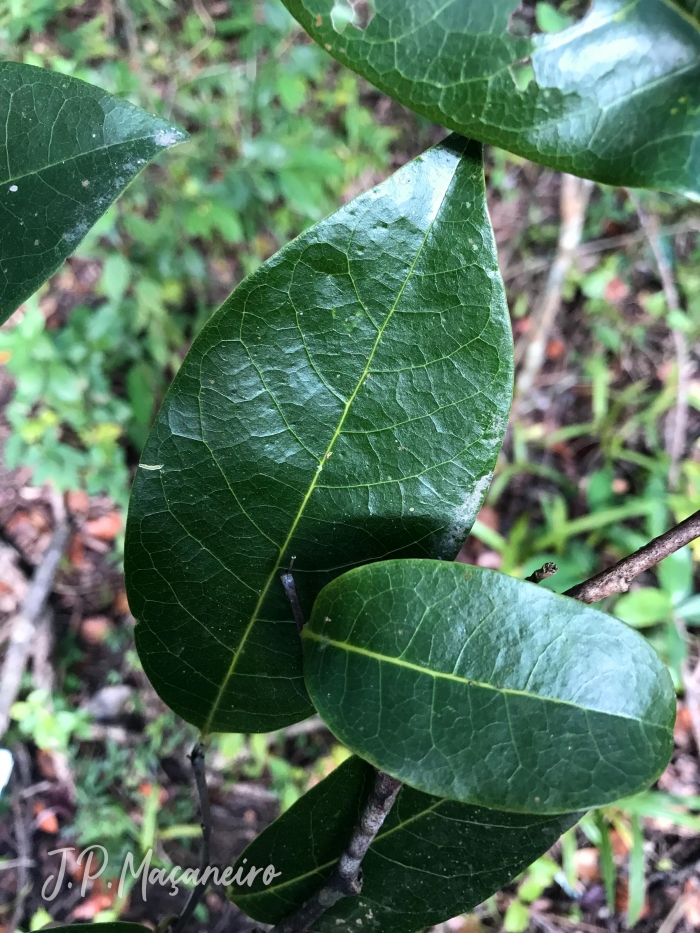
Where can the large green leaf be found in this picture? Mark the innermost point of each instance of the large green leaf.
(346, 404)
(432, 859)
(469, 684)
(615, 97)
(67, 150)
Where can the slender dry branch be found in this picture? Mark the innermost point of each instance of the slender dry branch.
(345, 879)
(23, 838)
(575, 193)
(616, 579)
(678, 423)
(25, 624)
(197, 759)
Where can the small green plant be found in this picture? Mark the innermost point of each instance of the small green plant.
(48, 721)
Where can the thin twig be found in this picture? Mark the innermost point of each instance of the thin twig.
(290, 588)
(678, 422)
(25, 623)
(535, 264)
(546, 570)
(23, 839)
(574, 196)
(674, 917)
(345, 879)
(197, 759)
(616, 579)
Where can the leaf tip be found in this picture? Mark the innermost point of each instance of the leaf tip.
(169, 136)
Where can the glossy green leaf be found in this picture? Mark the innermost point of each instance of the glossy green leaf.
(614, 97)
(432, 859)
(472, 685)
(347, 403)
(67, 150)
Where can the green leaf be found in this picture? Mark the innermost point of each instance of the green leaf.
(67, 150)
(637, 886)
(347, 403)
(643, 607)
(431, 860)
(469, 684)
(690, 610)
(607, 861)
(615, 97)
(517, 917)
(675, 575)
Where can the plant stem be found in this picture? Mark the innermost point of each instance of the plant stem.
(25, 624)
(546, 570)
(574, 195)
(197, 759)
(616, 579)
(345, 879)
(678, 426)
(290, 588)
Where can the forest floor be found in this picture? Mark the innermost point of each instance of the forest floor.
(583, 479)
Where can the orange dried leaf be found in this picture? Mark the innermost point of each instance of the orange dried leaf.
(105, 528)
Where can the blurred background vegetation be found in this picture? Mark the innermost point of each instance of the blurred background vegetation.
(280, 136)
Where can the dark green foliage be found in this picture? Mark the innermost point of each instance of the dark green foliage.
(615, 97)
(432, 859)
(468, 684)
(67, 151)
(346, 404)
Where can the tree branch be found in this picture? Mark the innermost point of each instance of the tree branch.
(24, 625)
(678, 422)
(573, 199)
(197, 759)
(345, 879)
(616, 579)
(546, 570)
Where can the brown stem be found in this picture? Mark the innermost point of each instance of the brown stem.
(546, 570)
(197, 759)
(573, 200)
(616, 579)
(290, 588)
(24, 625)
(345, 879)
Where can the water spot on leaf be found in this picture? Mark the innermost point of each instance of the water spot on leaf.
(13, 188)
(358, 13)
(167, 138)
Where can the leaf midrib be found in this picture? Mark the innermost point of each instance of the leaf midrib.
(72, 158)
(468, 681)
(319, 469)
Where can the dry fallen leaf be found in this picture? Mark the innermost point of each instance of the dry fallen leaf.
(105, 528)
(78, 501)
(95, 629)
(586, 862)
(555, 349)
(46, 820)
